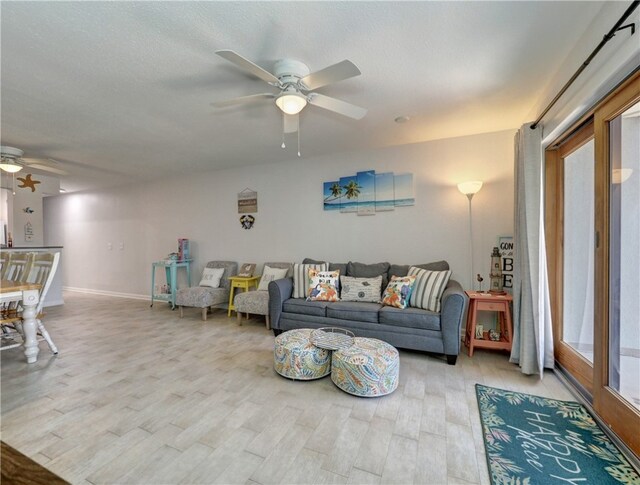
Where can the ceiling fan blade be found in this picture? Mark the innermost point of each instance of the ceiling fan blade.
(332, 74)
(44, 165)
(243, 100)
(337, 106)
(249, 66)
(291, 123)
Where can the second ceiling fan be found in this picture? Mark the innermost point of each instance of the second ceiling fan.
(296, 87)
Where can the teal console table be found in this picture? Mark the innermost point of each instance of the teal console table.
(171, 269)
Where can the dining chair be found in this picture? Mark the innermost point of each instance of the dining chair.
(18, 266)
(41, 271)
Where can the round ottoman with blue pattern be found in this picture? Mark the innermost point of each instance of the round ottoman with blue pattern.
(297, 358)
(368, 368)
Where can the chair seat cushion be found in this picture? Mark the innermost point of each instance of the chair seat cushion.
(256, 302)
(201, 296)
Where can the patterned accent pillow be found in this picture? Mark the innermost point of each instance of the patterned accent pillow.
(301, 278)
(398, 291)
(361, 289)
(211, 277)
(323, 285)
(428, 288)
(270, 274)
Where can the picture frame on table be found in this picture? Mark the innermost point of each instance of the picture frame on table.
(247, 269)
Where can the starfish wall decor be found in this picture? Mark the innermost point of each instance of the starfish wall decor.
(27, 181)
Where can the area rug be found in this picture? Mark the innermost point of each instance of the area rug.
(535, 440)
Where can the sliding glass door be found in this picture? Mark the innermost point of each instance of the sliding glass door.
(592, 215)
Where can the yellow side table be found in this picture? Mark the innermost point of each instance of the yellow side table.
(244, 282)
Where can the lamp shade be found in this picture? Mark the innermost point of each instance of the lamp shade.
(291, 103)
(9, 166)
(470, 188)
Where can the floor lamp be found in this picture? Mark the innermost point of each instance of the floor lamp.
(470, 189)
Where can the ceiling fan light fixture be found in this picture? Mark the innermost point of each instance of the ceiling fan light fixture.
(291, 103)
(10, 166)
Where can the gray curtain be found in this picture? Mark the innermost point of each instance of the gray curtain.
(532, 346)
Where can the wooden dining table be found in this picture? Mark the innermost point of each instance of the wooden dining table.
(28, 294)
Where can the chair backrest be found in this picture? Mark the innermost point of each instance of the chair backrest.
(4, 262)
(42, 271)
(287, 266)
(19, 266)
(230, 269)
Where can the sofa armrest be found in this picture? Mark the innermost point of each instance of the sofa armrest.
(452, 313)
(279, 292)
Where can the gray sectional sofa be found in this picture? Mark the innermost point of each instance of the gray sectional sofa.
(409, 328)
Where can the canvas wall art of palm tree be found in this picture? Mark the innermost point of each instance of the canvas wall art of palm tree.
(369, 192)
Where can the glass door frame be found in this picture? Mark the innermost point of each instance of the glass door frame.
(615, 411)
(569, 358)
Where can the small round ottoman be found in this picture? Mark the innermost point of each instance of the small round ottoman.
(368, 368)
(297, 358)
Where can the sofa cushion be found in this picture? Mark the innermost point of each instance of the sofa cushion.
(342, 267)
(360, 289)
(428, 288)
(355, 311)
(361, 270)
(403, 269)
(304, 307)
(301, 278)
(409, 317)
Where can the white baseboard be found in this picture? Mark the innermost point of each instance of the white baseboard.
(117, 294)
(48, 303)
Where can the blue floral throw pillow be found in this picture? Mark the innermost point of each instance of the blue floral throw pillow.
(398, 291)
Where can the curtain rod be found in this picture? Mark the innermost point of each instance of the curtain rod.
(618, 26)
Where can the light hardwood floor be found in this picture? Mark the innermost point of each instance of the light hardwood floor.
(138, 395)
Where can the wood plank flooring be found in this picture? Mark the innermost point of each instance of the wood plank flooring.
(138, 395)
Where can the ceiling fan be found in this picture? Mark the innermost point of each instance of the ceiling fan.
(296, 87)
(11, 161)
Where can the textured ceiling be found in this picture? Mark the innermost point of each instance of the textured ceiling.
(121, 91)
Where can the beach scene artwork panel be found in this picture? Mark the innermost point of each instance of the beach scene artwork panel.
(403, 186)
(350, 192)
(368, 192)
(385, 198)
(332, 195)
(367, 195)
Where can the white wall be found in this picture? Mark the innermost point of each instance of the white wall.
(26, 200)
(290, 223)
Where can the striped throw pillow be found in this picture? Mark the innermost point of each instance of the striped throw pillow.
(428, 288)
(301, 279)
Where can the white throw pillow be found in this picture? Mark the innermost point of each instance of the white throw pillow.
(211, 277)
(361, 289)
(270, 274)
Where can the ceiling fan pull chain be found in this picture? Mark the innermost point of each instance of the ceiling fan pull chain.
(13, 186)
(298, 140)
(283, 123)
